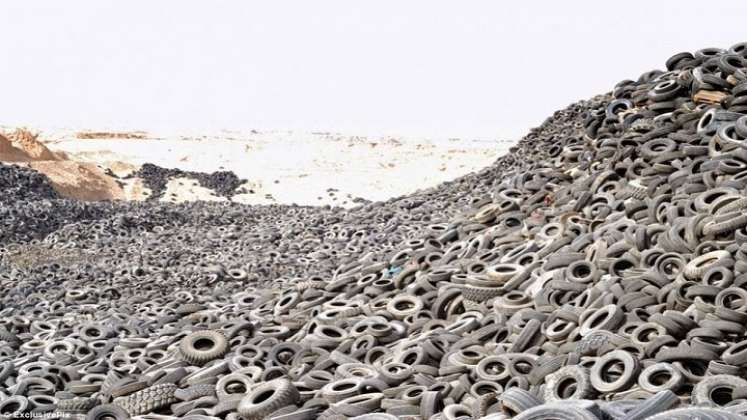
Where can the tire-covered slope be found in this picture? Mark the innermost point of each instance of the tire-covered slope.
(595, 272)
(20, 184)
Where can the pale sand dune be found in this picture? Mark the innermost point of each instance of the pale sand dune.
(71, 178)
(81, 180)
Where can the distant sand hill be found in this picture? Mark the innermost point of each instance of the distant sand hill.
(279, 167)
(81, 180)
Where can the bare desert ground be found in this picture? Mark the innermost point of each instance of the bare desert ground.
(280, 167)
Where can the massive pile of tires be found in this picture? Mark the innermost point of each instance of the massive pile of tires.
(597, 271)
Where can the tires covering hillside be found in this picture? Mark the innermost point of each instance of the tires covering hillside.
(597, 271)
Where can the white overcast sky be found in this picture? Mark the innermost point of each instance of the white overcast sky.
(486, 69)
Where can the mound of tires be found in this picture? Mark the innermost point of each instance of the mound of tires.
(598, 271)
(222, 183)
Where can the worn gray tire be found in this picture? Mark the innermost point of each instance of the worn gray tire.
(268, 398)
(493, 368)
(627, 377)
(76, 405)
(617, 410)
(699, 265)
(147, 400)
(516, 400)
(201, 347)
(568, 383)
(556, 411)
(360, 404)
(705, 392)
(736, 354)
(14, 407)
(375, 416)
(541, 370)
(607, 318)
(9, 337)
(195, 391)
(107, 412)
(6, 369)
(696, 413)
(659, 377)
(655, 404)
